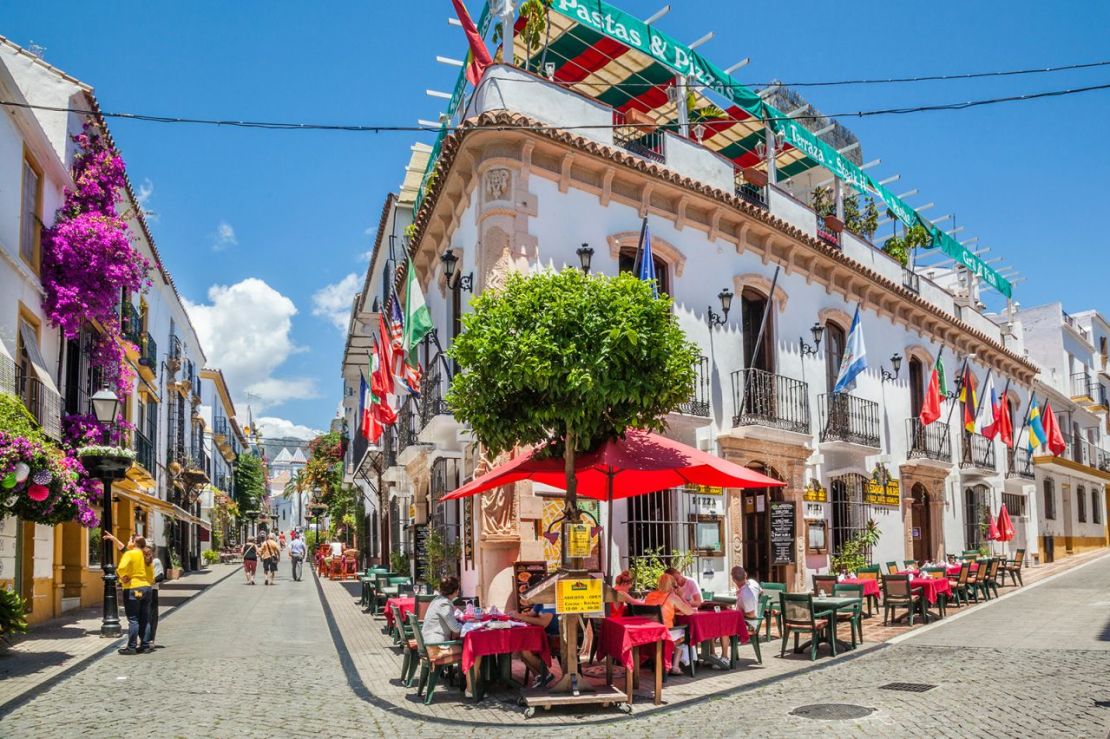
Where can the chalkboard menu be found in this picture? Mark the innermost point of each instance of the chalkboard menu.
(782, 533)
(526, 575)
(420, 551)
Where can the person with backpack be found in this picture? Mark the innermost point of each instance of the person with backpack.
(250, 560)
(297, 553)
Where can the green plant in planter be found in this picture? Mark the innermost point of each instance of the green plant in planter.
(12, 610)
(175, 559)
(398, 563)
(437, 554)
(856, 552)
(210, 556)
(645, 570)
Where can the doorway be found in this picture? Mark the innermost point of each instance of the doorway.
(756, 516)
(920, 529)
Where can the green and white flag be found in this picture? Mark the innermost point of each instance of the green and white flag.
(418, 319)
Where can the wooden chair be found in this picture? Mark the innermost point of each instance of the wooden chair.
(429, 667)
(655, 613)
(411, 656)
(824, 583)
(909, 564)
(871, 572)
(898, 594)
(1013, 568)
(892, 568)
(774, 610)
(969, 554)
(937, 573)
(855, 617)
(799, 618)
(977, 580)
(959, 584)
(991, 582)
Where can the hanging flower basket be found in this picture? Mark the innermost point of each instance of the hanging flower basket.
(106, 462)
(39, 483)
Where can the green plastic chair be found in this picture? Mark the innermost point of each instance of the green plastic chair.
(961, 590)
(909, 564)
(429, 668)
(855, 617)
(408, 646)
(754, 625)
(774, 613)
(799, 618)
(892, 568)
(898, 594)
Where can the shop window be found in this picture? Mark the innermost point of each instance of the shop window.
(1049, 500)
(850, 510)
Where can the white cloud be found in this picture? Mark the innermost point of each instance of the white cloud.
(244, 329)
(333, 302)
(224, 237)
(281, 428)
(146, 189)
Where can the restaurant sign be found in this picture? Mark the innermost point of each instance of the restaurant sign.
(885, 495)
(579, 596)
(814, 493)
(578, 540)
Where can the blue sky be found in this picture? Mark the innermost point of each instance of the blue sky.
(292, 209)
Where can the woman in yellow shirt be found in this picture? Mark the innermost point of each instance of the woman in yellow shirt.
(136, 574)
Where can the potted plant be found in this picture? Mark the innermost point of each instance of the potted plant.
(856, 552)
(175, 566)
(12, 615)
(834, 224)
(106, 462)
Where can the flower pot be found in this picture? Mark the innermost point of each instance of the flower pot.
(755, 176)
(834, 224)
(107, 466)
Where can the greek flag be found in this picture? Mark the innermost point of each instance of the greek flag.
(855, 356)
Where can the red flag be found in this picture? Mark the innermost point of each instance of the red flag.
(479, 55)
(1056, 443)
(969, 399)
(385, 354)
(930, 410)
(383, 411)
(1004, 423)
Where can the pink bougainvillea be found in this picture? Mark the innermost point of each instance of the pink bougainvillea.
(88, 260)
(53, 487)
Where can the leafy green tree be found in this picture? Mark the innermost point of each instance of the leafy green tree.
(569, 360)
(250, 483)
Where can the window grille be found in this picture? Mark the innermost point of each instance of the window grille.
(850, 510)
(677, 520)
(1096, 512)
(1015, 503)
(975, 512)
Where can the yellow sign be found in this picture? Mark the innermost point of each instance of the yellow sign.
(706, 489)
(579, 596)
(883, 496)
(578, 540)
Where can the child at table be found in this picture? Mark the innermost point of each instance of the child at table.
(544, 617)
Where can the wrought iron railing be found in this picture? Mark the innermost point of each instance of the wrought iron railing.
(749, 193)
(144, 452)
(930, 441)
(911, 281)
(131, 323)
(43, 403)
(1020, 463)
(978, 451)
(1088, 454)
(637, 139)
(149, 356)
(1081, 385)
(408, 424)
(825, 233)
(763, 398)
(433, 387)
(176, 354)
(220, 426)
(847, 418)
(698, 404)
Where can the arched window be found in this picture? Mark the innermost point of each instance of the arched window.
(917, 386)
(835, 341)
(850, 510)
(626, 262)
(1049, 499)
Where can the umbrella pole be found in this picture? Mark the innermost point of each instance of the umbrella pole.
(609, 534)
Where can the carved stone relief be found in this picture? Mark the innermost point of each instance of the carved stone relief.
(498, 182)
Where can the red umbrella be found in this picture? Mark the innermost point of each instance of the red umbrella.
(1005, 526)
(640, 463)
(992, 529)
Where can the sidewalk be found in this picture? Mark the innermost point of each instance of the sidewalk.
(360, 637)
(51, 650)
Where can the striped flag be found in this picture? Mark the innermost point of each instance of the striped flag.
(418, 319)
(855, 356)
(408, 375)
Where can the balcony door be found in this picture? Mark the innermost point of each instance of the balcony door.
(917, 386)
(752, 307)
(920, 529)
(835, 341)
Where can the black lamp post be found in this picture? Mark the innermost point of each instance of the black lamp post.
(818, 332)
(896, 364)
(585, 255)
(318, 509)
(725, 296)
(107, 469)
(464, 282)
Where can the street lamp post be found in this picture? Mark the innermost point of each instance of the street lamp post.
(105, 405)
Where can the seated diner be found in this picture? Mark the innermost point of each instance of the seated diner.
(668, 600)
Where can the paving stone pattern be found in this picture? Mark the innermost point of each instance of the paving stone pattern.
(266, 660)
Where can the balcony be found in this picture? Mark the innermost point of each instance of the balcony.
(198, 469)
(749, 192)
(978, 452)
(848, 419)
(928, 442)
(433, 386)
(911, 281)
(43, 403)
(1082, 387)
(698, 404)
(407, 428)
(176, 354)
(131, 323)
(638, 138)
(220, 426)
(1088, 454)
(763, 398)
(144, 453)
(149, 355)
(1020, 463)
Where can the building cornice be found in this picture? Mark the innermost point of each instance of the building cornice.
(653, 188)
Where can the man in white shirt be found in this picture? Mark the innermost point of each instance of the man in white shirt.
(686, 588)
(747, 591)
(297, 552)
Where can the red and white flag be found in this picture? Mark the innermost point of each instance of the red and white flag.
(479, 57)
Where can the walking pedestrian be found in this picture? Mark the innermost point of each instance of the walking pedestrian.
(159, 576)
(270, 553)
(250, 560)
(136, 575)
(281, 540)
(297, 553)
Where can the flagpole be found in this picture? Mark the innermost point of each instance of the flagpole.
(1025, 422)
(759, 338)
(639, 248)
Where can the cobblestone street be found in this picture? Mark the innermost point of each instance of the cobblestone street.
(244, 660)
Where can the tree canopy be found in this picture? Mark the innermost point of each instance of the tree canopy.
(250, 482)
(553, 356)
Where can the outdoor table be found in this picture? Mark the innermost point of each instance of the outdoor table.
(834, 604)
(621, 639)
(870, 587)
(406, 604)
(707, 625)
(931, 588)
(955, 569)
(493, 642)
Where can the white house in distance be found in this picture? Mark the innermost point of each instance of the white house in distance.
(547, 173)
(288, 512)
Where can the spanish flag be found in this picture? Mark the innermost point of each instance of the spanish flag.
(968, 398)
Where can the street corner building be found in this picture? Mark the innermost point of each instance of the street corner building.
(175, 416)
(878, 384)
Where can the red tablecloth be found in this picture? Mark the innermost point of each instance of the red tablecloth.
(714, 625)
(955, 569)
(486, 642)
(620, 635)
(870, 587)
(407, 606)
(931, 587)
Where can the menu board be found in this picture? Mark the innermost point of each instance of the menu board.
(420, 551)
(527, 575)
(782, 533)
